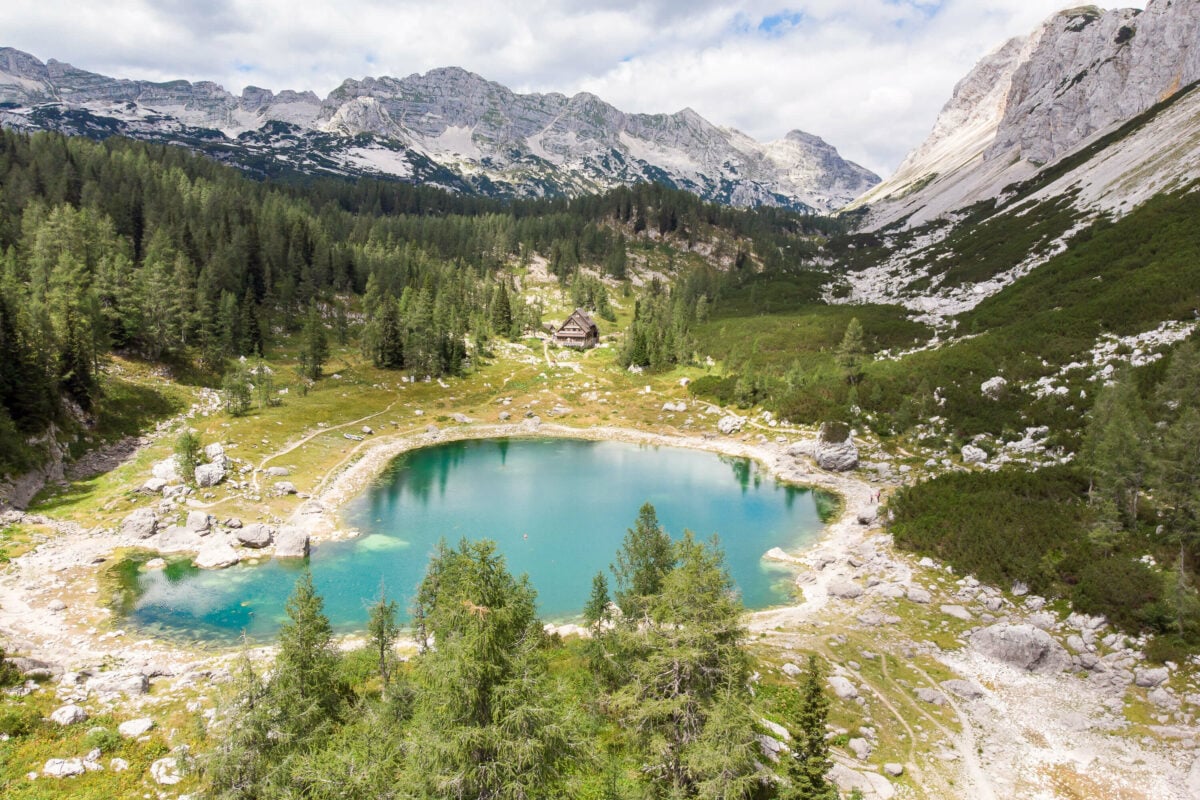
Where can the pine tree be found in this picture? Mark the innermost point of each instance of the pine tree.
(383, 630)
(502, 318)
(237, 389)
(809, 760)
(486, 722)
(1115, 448)
(643, 562)
(314, 346)
(850, 352)
(305, 688)
(692, 675)
(595, 612)
(187, 454)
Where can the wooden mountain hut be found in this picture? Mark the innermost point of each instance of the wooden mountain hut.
(578, 331)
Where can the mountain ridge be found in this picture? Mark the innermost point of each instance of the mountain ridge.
(448, 127)
(1038, 100)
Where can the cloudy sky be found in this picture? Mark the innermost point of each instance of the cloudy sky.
(869, 76)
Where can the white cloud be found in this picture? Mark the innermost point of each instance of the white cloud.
(867, 75)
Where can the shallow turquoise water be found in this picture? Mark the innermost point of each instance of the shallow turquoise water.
(557, 508)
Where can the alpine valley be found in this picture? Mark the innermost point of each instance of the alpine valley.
(241, 329)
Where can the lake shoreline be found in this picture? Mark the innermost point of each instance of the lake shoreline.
(86, 629)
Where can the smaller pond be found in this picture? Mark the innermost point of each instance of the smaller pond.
(557, 508)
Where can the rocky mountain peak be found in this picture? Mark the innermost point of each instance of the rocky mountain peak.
(1040, 97)
(448, 125)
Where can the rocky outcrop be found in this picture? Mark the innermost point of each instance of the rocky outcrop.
(447, 125)
(730, 424)
(1037, 98)
(1021, 646)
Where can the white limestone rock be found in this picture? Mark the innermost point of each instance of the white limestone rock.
(255, 536)
(68, 715)
(198, 522)
(142, 523)
(730, 424)
(63, 768)
(973, 455)
(208, 475)
(165, 771)
(1021, 646)
(291, 542)
(217, 554)
(993, 388)
(134, 728)
(842, 687)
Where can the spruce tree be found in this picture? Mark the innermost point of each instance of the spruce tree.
(643, 562)
(187, 454)
(595, 612)
(850, 352)
(305, 688)
(486, 723)
(314, 346)
(383, 630)
(809, 761)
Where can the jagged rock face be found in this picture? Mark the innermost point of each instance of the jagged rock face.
(1038, 98)
(448, 126)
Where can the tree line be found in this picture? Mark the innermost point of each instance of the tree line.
(656, 703)
(152, 251)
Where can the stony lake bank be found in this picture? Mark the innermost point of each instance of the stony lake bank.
(945, 687)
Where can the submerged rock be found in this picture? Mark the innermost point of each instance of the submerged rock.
(217, 554)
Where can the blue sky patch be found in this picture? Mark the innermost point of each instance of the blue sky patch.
(776, 24)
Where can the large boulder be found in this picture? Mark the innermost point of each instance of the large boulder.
(256, 535)
(129, 683)
(993, 388)
(1021, 646)
(291, 542)
(68, 715)
(210, 474)
(167, 470)
(217, 554)
(63, 768)
(730, 424)
(142, 523)
(198, 522)
(214, 451)
(135, 727)
(836, 456)
(973, 455)
(165, 771)
(842, 687)
(278, 472)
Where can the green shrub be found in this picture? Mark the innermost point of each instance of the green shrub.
(105, 739)
(1126, 591)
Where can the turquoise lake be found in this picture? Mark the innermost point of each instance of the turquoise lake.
(557, 508)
